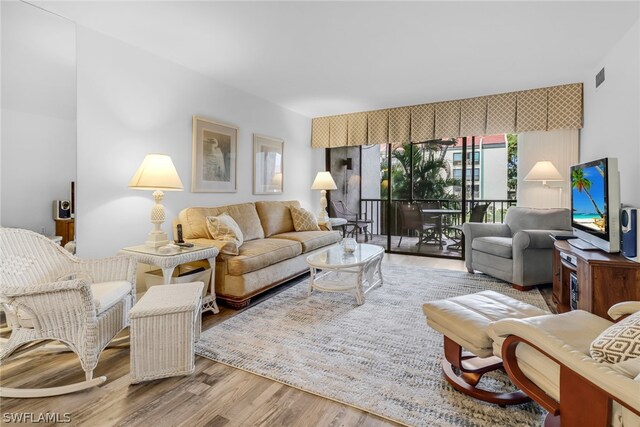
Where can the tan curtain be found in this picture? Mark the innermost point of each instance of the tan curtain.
(447, 119)
(473, 116)
(558, 107)
(320, 132)
(400, 125)
(378, 127)
(357, 129)
(422, 122)
(501, 113)
(531, 108)
(565, 107)
(338, 131)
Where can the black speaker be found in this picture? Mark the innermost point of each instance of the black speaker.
(630, 236)
(61, 209)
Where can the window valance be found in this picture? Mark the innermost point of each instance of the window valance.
(557, 107)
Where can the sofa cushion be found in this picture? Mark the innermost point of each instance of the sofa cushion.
(261, 253)
(498, 246)
(303, 220)
(224, 228)
(194, 220)
(275, 216)
(310, 240)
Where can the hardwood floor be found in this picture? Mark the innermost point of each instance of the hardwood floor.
(215, 395)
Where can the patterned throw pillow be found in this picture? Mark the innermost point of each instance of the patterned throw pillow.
(618, 342)
(303, 220)
(224, 228)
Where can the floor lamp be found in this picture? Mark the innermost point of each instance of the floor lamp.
(545, 171)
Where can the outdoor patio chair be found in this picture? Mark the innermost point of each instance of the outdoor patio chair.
(411, 220)
(454, 232)
(356, 224)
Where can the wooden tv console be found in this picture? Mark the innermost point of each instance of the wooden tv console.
(603, 279)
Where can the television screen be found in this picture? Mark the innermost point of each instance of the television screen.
(589, 197)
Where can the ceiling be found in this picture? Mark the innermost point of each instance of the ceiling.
(322, 58)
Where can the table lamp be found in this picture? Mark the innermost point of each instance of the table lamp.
(545, 171)
(323, 182)
(157, 173)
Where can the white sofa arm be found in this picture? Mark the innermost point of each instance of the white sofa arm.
(539, 332)
(623, 308)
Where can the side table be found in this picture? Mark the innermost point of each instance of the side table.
(168, 263)
(335, 223)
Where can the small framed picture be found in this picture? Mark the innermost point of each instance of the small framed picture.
(268, 171)
(214, 161)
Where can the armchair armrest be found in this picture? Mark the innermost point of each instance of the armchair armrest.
(623, 309)
(534, 239)
(122, 267)
(538, 332)
(472, 230)
(46, 303)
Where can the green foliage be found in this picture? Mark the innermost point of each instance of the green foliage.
(512, 164)
(431, 172)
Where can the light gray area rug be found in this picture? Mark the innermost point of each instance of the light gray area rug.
(380, 357)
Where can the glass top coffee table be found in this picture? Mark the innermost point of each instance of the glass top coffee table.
(334, 270)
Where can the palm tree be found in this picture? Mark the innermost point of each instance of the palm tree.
(582, 183)
(431, 172)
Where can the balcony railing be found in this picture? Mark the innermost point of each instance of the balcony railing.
(378, 211)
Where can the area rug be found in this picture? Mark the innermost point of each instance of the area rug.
(380, 357)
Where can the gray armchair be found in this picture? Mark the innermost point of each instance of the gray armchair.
(518, 251)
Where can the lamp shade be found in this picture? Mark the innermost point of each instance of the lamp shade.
(156, 173)
(543, 170)
(323, 181)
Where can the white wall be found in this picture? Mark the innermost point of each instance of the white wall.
(560, 147)
(38, 160)
(131, 103)
(612, 113)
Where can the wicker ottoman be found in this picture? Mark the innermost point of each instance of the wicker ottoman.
(163, 327)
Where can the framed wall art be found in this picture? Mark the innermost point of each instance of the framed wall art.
(268, 172)
(215, 160)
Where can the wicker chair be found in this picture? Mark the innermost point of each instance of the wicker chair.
(50, 295)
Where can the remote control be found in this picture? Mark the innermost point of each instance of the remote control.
(184, 244)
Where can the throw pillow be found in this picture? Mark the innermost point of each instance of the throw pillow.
(618, 342)
(224, 228)
(303, 220)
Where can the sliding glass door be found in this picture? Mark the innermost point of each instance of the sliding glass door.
(413, 198)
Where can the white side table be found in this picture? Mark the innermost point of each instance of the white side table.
(333, 223)
(168, 262)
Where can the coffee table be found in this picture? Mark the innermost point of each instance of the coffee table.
(334, 270)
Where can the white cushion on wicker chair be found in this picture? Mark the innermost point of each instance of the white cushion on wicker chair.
(107, 294)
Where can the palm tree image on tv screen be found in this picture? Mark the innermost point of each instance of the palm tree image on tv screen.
(589, 204)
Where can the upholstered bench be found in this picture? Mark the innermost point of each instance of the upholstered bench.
(464, 322)
(164, 326)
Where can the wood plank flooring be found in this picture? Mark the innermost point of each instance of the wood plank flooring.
(215, 395)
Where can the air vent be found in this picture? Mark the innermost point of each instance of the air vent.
(600, 77)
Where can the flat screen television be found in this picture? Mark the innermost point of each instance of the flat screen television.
(595, 204)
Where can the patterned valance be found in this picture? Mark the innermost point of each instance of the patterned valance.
(557, 107)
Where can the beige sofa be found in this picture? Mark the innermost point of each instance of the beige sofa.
(272, 252)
